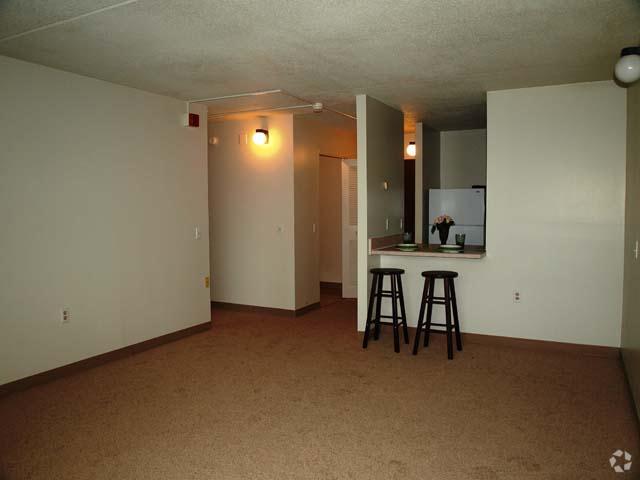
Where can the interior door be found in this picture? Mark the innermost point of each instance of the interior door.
(349, 229)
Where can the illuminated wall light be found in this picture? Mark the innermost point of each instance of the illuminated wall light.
(261, 137)
(411, 149)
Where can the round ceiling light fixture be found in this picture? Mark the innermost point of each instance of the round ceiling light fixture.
(628, 67)
(261, 137)
(411, 149)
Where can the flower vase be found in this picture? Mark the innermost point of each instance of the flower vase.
(443, 232)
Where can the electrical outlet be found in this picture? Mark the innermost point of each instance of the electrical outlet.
(386, 224)
(516, 296)
(206, 282)
(65, 315)
(196, 233)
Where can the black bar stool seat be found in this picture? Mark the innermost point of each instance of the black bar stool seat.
(450, 304)
(386, 271)
(440, 274)
(376, 296)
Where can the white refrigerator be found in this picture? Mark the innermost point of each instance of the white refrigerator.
(467, 208)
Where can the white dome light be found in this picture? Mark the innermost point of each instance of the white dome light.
(411, 149)
(628, 67)
(261, 137)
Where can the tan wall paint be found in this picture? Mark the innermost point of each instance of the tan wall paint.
(380, 158)
(251, 200)
(384, 163)
(419, 183)
(427, 174)
(306, 197)
(463, 158)
(556, 182)
(257, 190)
(330, 211)
(100, 190)
(333, 134)
(431, 154)
(631, 304)
(330, 135)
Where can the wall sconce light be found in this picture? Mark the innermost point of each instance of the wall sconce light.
(411, 149)
(628, 67)
(261, 137)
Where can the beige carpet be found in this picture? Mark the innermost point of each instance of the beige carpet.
(262, 397)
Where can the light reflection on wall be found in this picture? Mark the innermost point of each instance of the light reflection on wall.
(263, 153)
(234, 144)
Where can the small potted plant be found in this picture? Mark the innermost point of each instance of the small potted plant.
(442, 223)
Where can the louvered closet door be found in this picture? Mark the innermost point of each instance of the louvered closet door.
(349, 229)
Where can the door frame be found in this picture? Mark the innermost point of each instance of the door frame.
(348, 290)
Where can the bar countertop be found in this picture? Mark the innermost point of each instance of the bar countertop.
(470, 251)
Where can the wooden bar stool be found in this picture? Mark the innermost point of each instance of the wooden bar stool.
(377, 293)
(449, 302)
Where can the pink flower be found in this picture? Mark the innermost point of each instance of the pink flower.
(442, 219)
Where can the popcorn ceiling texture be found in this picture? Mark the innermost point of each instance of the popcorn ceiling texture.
(433, 59)
(265, 397)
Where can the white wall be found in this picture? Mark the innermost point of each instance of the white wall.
(427, 174)
(100, 190)
(333, 135)
(631, 306)
(419, 186)
(384, 163)
(431, 154)
(556, 189)
(330, 220)
(380, 158)
(306, 154)
(463, 158)
(252, 214)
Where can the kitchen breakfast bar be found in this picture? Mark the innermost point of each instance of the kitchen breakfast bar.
(470, 264)
(470, 251)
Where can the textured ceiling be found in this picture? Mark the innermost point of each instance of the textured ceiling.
(434, 59)
(226, 106)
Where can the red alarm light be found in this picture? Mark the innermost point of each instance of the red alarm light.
(191, 120)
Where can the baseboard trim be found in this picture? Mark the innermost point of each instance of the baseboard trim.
(280, 312)
(301, 311)
(91, 362)
(559, 347)
(238, 307)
